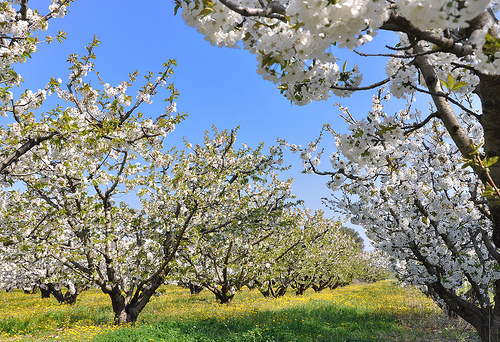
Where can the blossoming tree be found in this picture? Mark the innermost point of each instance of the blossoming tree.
(20, 24)
(69, 220)
(439, 221)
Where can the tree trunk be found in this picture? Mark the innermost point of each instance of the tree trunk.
(281, 291)
(301, 289)
(71, 294)
(128, 308)
(224, 298)
(489, 93)
(271, 292)
(194, 289)
(45, 291)
(334, 285)
(124, 313)
(485, 319)
(321, 285)
(489, 331)
(265, 293)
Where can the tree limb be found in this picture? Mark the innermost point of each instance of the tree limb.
(398, 23)
(26, 147)
(372, 86)
(443, 94)
(273, 10)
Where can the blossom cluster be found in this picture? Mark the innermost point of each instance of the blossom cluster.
(296, 53)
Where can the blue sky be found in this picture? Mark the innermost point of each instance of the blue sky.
(217, 86)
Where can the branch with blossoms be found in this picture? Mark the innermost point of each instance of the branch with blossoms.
(447, 97)
(416, 126)
(13, 157)
(397, 22)
(273, 10)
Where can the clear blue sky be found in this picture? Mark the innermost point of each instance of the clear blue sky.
(217, 86)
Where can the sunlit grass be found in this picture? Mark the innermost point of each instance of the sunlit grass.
(376, 312)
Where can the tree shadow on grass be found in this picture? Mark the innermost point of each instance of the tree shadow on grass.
(310, 323)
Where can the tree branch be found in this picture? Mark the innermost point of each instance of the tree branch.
(398, 23)
(26, 147)
(372, 86)
(397, 56)
(443, 94)
(446, 113)
(417, 126)
(273, 10)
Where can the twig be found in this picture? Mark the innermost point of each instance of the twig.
(446, 96)
(416, 126)
(374, 85)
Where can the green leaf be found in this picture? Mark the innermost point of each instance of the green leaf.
(451, 81)
(489, 192)
(467, 164)
(490, 161)
(385, 129)
(358, 134)
(206, 11)
(458, 85)
(445, 84)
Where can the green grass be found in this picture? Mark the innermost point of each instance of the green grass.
(365, 312)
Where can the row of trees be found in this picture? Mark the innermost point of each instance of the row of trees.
(211, 215)
(304, 251)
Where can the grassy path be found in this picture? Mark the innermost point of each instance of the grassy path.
(365, 312)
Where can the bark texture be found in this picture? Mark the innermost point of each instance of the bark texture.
(128, 307)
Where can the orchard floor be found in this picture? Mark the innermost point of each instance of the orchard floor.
(382, 311)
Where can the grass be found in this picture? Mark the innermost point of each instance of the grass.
(364, 312)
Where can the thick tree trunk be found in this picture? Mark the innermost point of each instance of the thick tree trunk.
(321, 285)
(281, 291)
(222, 295)
(489, 328)
(224, 298)
(333, 286)
(300, 289)
(128, 308)
(489, 92)
(266, 293)
(124, 313)
(45, 291)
